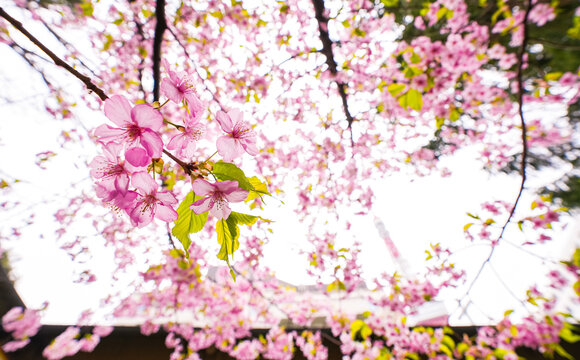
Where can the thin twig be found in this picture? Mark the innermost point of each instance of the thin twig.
(329, 54)
(58, 61)
(520, 98)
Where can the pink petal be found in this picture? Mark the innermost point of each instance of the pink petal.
(202, 187)
(144, 182)
(236, 116)
(165, 213)
(221, 212)
(196, 107)
(122, 183)
(98, 166)
(176, 142)
(203, 205)
(237, 196)
(137, 156)
(142, 215)
(250, 146)
(225, 122)
(227, 186)
(118, 110)
(147, 117)
(229, 148)
(106, 134)
(169, 89)
(166, 198)
(152, 142)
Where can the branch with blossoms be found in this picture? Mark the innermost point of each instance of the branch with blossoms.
(132, 152)
(523, 28)
(58, 61)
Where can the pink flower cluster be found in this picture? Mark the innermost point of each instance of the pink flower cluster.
(23, 324)
(135, 142)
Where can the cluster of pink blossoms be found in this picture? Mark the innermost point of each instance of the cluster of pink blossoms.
(23, 324)
(136, 142)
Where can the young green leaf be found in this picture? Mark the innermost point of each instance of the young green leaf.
(188, 222)
(228, 171)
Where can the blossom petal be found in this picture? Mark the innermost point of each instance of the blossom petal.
(106, 133)
(169, 89)
(137, 156)
(152, 142)
(166, 198)
(225, 121)
(229, 148)
(196, 107)
(122, 183)
(203, 205)
(166, 213)
(147, 117)
(142, 215)
(221, 211)
(237, 195)
(203, 187)
(250, 146)
(144, 182)
(118, 110)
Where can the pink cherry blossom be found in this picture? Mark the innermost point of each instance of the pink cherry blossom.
(240, 136)
(218, 196)
(137, 130)
(178, 87)
(151, 203)
(111, 166)
(185, 141)
(107, 191)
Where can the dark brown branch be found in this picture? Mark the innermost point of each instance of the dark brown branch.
(520, 98)
(329, 54)
(85, 79)
(160, 28)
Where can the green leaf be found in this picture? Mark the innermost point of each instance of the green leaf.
(259, 189)
(462, 347)
(414, 99)
(415, 59)
(87, 8)
(188, 221)
(228, 171)
(568, 335)
(553, 76)
(359, 326)
(441, 12)
(395, 89)
(500, 353)
(390, 3)
(228, 234)
(245, 219)
(563, 353)
(445, 349)
(449, 342)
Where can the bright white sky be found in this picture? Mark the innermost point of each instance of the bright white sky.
(416, 213)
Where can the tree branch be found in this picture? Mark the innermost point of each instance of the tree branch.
(329, 54)
(160, 28)
(520, 98)
(58, 61)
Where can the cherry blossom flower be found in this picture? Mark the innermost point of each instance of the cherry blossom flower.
(218, 196)
(240, 136)
(107, 191)
(137, 130)
(178, 87)
(151, 203)
(111, 166)
(185, 141)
